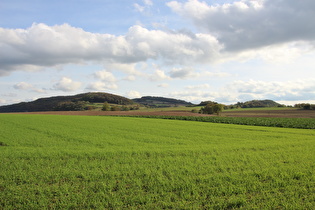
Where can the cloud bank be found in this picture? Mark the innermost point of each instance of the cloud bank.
(248, 24)
(48, 46)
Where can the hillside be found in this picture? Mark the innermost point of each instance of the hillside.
(153, 101)
(75, 102)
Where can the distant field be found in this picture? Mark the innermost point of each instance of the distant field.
(105, 162)
(274, 112)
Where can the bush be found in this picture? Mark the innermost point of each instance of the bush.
(90, 107)
(106, 107)
(125, 108)
(115, 108)
(194, 111)
(134, 107)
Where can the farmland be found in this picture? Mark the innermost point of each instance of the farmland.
(97, 162)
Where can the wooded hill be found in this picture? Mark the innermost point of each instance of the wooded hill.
(69, 103)
(152, 101)
(258, 104)
(85, 101)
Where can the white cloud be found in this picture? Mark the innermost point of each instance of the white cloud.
(279, 91)
(290, 92)
(67, 85)
(23, 86)
(39, 90)
(2, 101)
(159, 75)
(29, 87)
(130, 78)
(9, 94)
(284, 53)
(105, 76)
(195, 96)
(108, 81)
(214, 74)
(138, 7)
(128, 68)
(198, 87)
(163, 85)
(145, 7)
(148, 2)
(189, 73)
(247, 24)
(182, 73)
(133, 94)
(43, 46)
(100, 86)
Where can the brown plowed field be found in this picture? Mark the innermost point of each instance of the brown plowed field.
(129, 113)
(290, 113)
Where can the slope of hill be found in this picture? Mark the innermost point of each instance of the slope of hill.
(153, 101)
(51, 103)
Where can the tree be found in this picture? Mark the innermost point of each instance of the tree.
(106, 106)
(212, 109)
(217, 108)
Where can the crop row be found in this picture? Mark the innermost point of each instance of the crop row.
(302, 123)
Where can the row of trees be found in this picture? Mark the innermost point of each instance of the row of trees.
(108, 107)
(215, 108)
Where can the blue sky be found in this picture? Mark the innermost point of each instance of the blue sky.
(220, 50)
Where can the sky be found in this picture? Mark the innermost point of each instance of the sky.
(220, 50)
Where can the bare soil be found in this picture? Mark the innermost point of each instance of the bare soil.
(115, 113)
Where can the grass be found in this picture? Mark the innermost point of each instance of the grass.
(76, 162)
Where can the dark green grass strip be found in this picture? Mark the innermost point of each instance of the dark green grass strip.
(302, 123)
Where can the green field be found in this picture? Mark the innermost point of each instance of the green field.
(103, 162)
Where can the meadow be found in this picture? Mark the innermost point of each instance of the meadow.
(107, 162)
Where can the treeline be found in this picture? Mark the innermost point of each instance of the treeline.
(155, 102)
(305, 106)
(211, 107)
(247, 104)
(108, 107)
